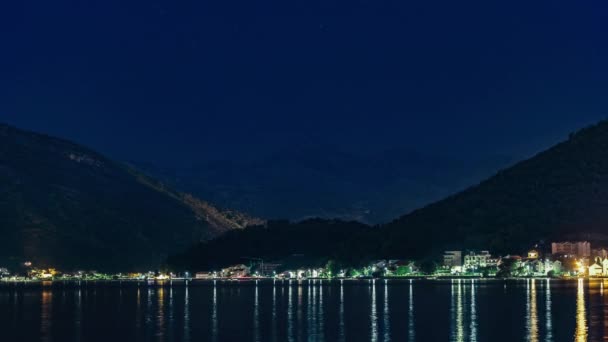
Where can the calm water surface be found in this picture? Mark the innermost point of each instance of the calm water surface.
(394, 310)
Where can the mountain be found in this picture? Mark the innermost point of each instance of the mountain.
(64, 205)
(310, 181)
(561, 193)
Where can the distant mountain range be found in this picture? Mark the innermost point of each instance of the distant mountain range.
(65, 205)
(323, 182)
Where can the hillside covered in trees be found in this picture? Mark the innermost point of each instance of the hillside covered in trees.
(64, 205)
(311, 243)
(559, 193)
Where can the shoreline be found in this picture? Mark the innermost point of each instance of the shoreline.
(185, 282)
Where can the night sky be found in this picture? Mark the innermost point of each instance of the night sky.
(175, 81)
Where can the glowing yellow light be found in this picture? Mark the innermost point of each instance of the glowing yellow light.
(532, 317)
(581, 321)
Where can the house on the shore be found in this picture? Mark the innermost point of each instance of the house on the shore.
(599, 268)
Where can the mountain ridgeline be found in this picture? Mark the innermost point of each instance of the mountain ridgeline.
(560, 193)
(64, 205)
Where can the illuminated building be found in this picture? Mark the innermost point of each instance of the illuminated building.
(236, 271)
(42, 273)
(474, 261)
(599, 268)
(605, 267)
(579, 249)
(595, 270)
(533, 254)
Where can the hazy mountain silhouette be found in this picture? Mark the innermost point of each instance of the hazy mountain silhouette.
(307, 182)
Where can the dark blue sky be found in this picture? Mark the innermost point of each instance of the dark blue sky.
(171, 81)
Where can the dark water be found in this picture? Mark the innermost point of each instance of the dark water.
(419, 310)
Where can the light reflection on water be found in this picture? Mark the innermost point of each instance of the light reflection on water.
(581, 314)
(78, 316)
(186, 315)
(373, 314)
(147, 313)
(531, 311)
(309, 311)
(290, 334)
(171, 315)
(256, 314)
(341, 329)
(321, 322)
(138, 314)
(299, 313)
(46, 316)
(214, 319)
(411, 326)
(386, 314)
(473, 309)
(160, 316)
(314, 310)
(457, 309)
(548, 318)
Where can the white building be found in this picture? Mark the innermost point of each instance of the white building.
(474, 261)
(595, 270)
(599, 268)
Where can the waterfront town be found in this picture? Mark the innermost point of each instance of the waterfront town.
(564, 259)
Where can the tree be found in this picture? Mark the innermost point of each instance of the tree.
(506, 268)
(427, 266)
(353, 272)
(331, 268)
(403, 270)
